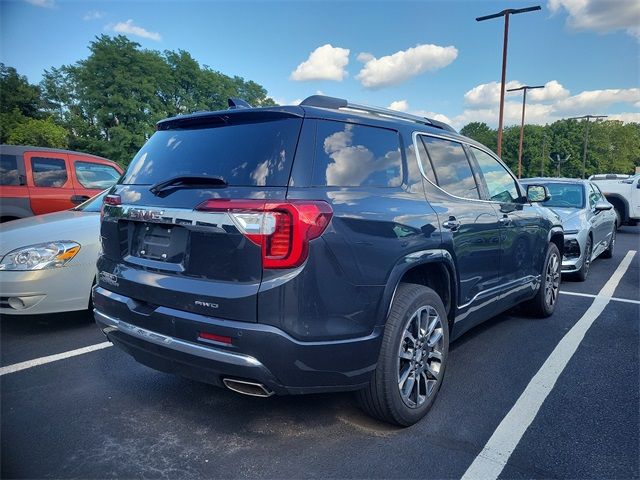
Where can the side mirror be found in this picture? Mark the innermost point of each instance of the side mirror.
(601, 205)
(538, 193)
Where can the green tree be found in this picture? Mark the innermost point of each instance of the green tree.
(481, 132)
(614, 146)
(41, 133)
(17, 94)
(111, 101)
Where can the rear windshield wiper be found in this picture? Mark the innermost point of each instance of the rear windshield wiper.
(186, 181)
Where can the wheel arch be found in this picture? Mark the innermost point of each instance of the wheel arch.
(432, 268)
(556, 235)
(620, 203)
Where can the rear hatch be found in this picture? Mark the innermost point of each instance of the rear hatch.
(182, 229)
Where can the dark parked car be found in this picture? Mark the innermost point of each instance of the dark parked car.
(314, 248)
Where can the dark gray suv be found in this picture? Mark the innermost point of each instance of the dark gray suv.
(314, 248)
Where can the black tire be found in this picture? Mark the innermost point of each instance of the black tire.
(619, 215)
(382, 398)
(608, 253)
(582, 274)
(543, 305)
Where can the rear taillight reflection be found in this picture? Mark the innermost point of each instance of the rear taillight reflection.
(282, 229)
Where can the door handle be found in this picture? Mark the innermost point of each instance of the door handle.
(505, 222)
(78, 199)
(452, 224)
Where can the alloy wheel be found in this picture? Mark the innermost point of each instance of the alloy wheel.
(587, 256)
(612, 242)
(420, 356)
(552, 280)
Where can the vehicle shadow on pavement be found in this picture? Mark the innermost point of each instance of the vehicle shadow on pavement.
(43, 324)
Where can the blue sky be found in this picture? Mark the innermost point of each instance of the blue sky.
(424, 57)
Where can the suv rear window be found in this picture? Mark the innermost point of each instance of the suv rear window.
(243, 154)
(349, 155)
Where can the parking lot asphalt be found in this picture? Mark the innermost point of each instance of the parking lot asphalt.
(102, 415)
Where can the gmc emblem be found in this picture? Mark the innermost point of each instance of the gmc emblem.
(146, 215)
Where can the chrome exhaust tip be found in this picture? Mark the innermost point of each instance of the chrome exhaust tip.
(252, 389)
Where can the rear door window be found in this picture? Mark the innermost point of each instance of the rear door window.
(9, 174)
(350, 155)
(49, 172)
(96, 175)
(242, 154)
(451, 167)
(501, 185)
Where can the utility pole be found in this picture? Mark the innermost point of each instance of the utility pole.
(544, 144)
(524, 89)
(586, 139)
(505, 14)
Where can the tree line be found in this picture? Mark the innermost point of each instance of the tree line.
(613, 146)
(108, 105)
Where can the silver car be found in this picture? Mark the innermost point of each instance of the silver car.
(48, 262)
(588, 219)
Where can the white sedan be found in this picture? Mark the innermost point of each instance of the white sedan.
(49, 261)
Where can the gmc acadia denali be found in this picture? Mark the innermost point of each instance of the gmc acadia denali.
(321, 247)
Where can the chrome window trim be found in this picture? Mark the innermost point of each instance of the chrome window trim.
(415, 136)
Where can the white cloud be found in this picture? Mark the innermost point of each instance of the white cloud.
(598, 99)
(399, 105)
(324, 63)
(93, 15)
(441, 117)
(42, 3)
(403, 106)
(601, 16)
(626, 117)
(283, 101)
(403, 65)
(536, 113)
(488, 94)
(552, 91)
(130, 28)
(545, 108)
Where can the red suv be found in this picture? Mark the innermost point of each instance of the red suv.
(36, 180)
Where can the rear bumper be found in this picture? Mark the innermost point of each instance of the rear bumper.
(259, 353)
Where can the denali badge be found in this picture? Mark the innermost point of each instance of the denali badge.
(109, 278)
(200, 303)
(142, 214)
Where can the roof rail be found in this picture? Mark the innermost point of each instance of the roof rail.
(323, 101)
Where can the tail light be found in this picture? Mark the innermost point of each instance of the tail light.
(282, 229)
(109, 200)
(113, 200)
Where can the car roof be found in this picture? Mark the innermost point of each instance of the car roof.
(349, 113)
(20, 149)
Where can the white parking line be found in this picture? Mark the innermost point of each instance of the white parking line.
(16, 367)
(494, 456)
(613, 299)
